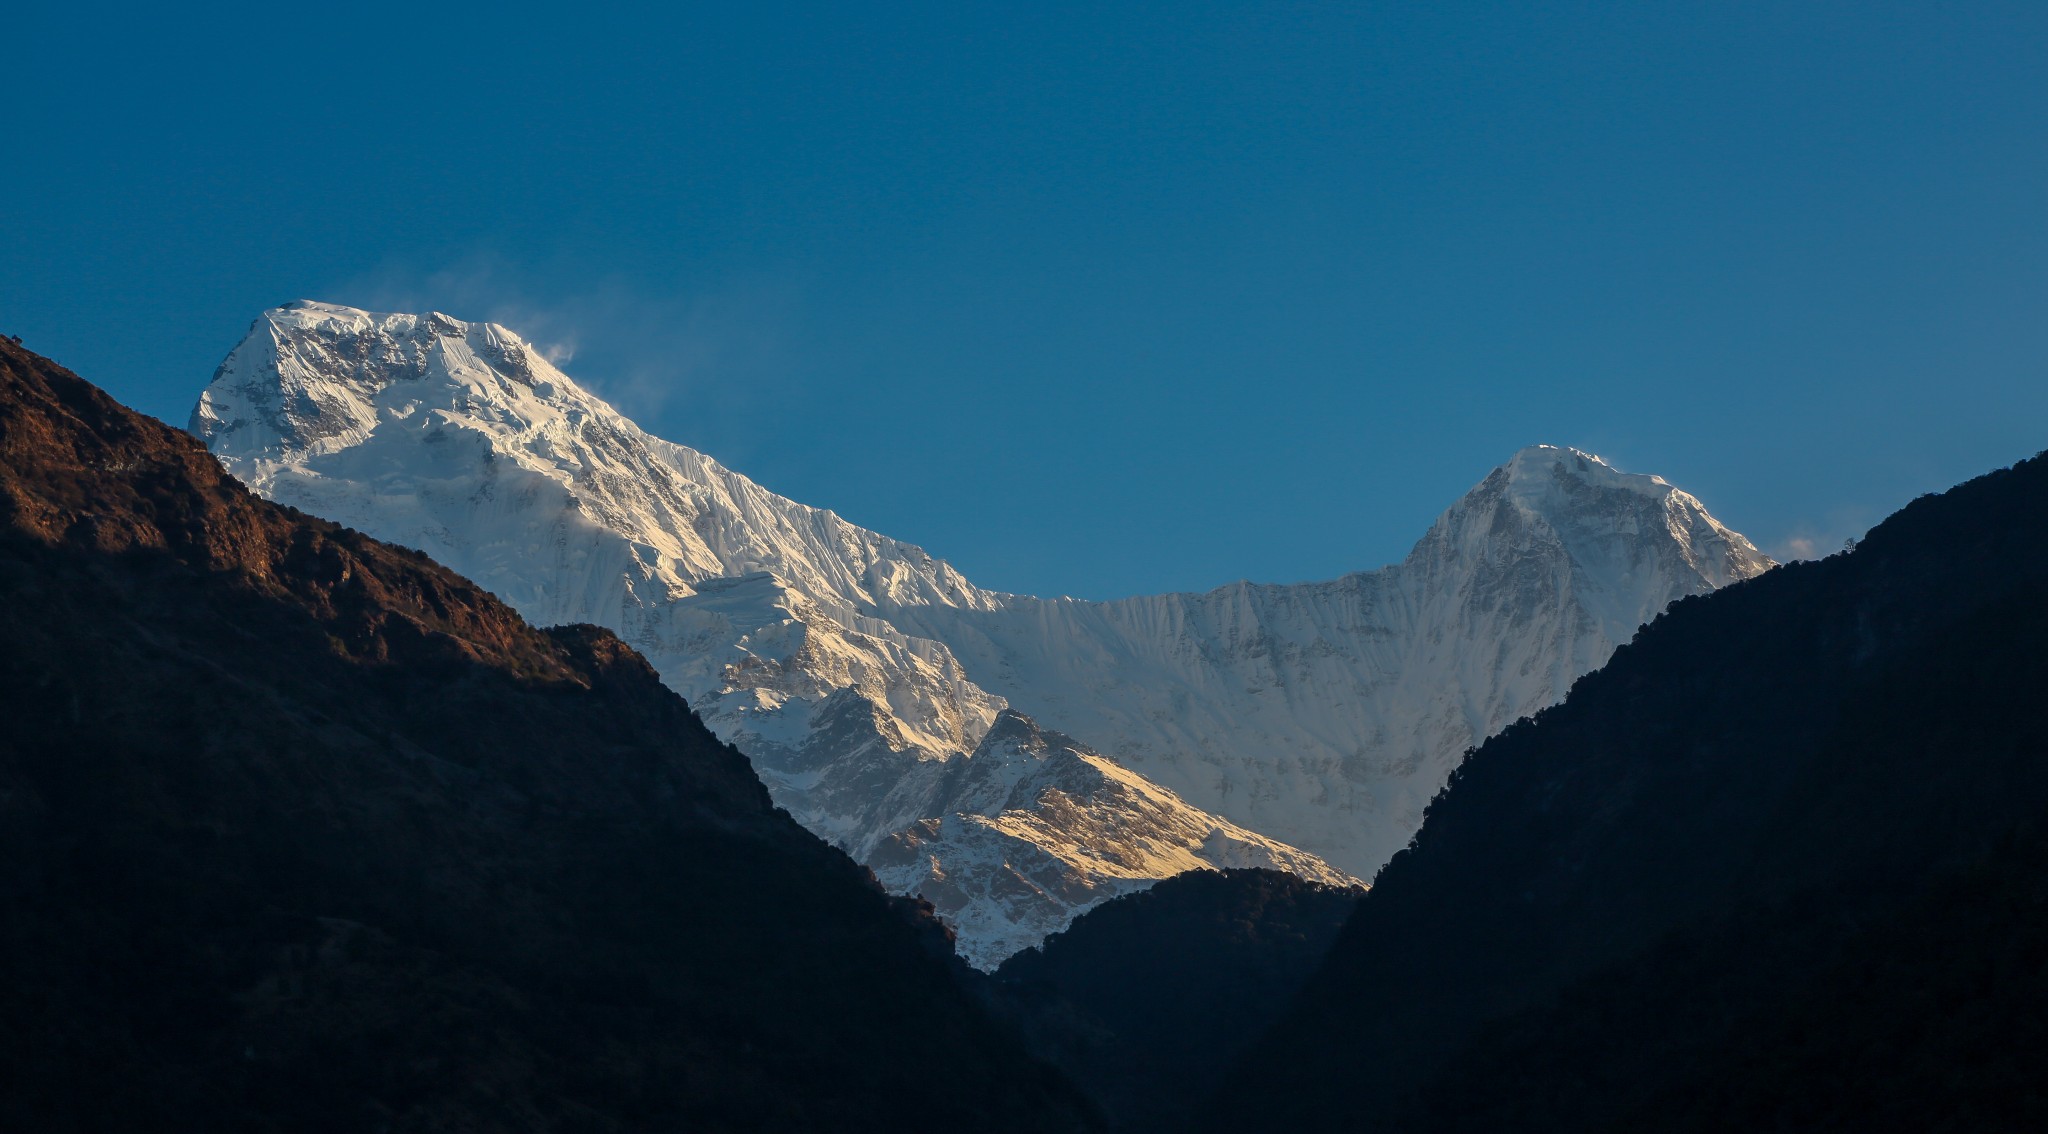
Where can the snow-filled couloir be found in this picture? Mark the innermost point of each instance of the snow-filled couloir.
(1308, 722)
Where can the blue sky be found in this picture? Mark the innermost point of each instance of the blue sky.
(1103, 301)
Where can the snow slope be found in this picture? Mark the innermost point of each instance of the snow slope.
(1327, 714)
(861, 674)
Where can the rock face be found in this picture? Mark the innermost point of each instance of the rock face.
(306, 832)
(1322, 716)
(1033, 816)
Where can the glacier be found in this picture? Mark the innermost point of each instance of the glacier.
(1013, 759)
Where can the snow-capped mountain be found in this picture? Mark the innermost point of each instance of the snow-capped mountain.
(863, 676)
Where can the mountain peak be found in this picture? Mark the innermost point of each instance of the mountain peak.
(315, 312)
(1014, 730)
(1601, 512)
(313, 377)
(1546, 451)
(1545, 464)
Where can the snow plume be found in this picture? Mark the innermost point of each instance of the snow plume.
(725, 347)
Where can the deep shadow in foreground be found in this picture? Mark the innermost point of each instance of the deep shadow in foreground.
(1147, 998)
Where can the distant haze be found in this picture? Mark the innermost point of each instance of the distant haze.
(1103, 302)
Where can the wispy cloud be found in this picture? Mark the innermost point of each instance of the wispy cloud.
(1797, 547)
(1818, 540)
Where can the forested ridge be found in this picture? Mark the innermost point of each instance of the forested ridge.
(1153, 991)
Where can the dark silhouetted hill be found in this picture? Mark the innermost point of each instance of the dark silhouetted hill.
(302, 832)
(1152, 992)
(1778, 866)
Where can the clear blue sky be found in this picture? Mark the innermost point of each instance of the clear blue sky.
(1102, 299)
